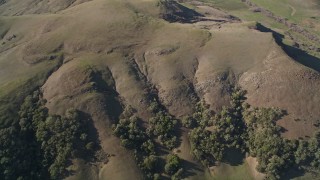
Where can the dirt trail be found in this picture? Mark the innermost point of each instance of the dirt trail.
(293, 10)
(252, 162)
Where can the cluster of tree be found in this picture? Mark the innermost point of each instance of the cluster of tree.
(20, 153)
(251, 130)
(19, 159)
(131, 135)
(205, 146)
(307, 154)
(135, 138)
(162, 126)
(141, 141)
(173, 166)
(62, 138)
(274, 153)
(212, 135)
(41, 145)
(202, 117)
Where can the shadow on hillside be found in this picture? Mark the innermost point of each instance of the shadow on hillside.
(296, 54)
(172, 11)
(82, 153)
(92, 134)
(113, 106)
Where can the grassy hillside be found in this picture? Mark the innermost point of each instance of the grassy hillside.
(144, 66)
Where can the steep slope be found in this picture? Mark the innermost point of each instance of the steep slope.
(78, 84)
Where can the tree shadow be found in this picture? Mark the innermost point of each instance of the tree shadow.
(295, 53)
(92, 135)
(189, 168)
(293, 173)
(233, 157)
(283, 130)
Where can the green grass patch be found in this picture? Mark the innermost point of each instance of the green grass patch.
(14, 91)
(227, 4)
(228, 172)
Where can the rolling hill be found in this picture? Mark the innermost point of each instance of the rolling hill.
(135, 70)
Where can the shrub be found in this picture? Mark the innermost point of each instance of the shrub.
(172, 164)
(150, 163)
(188, 122)
(163, 125)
